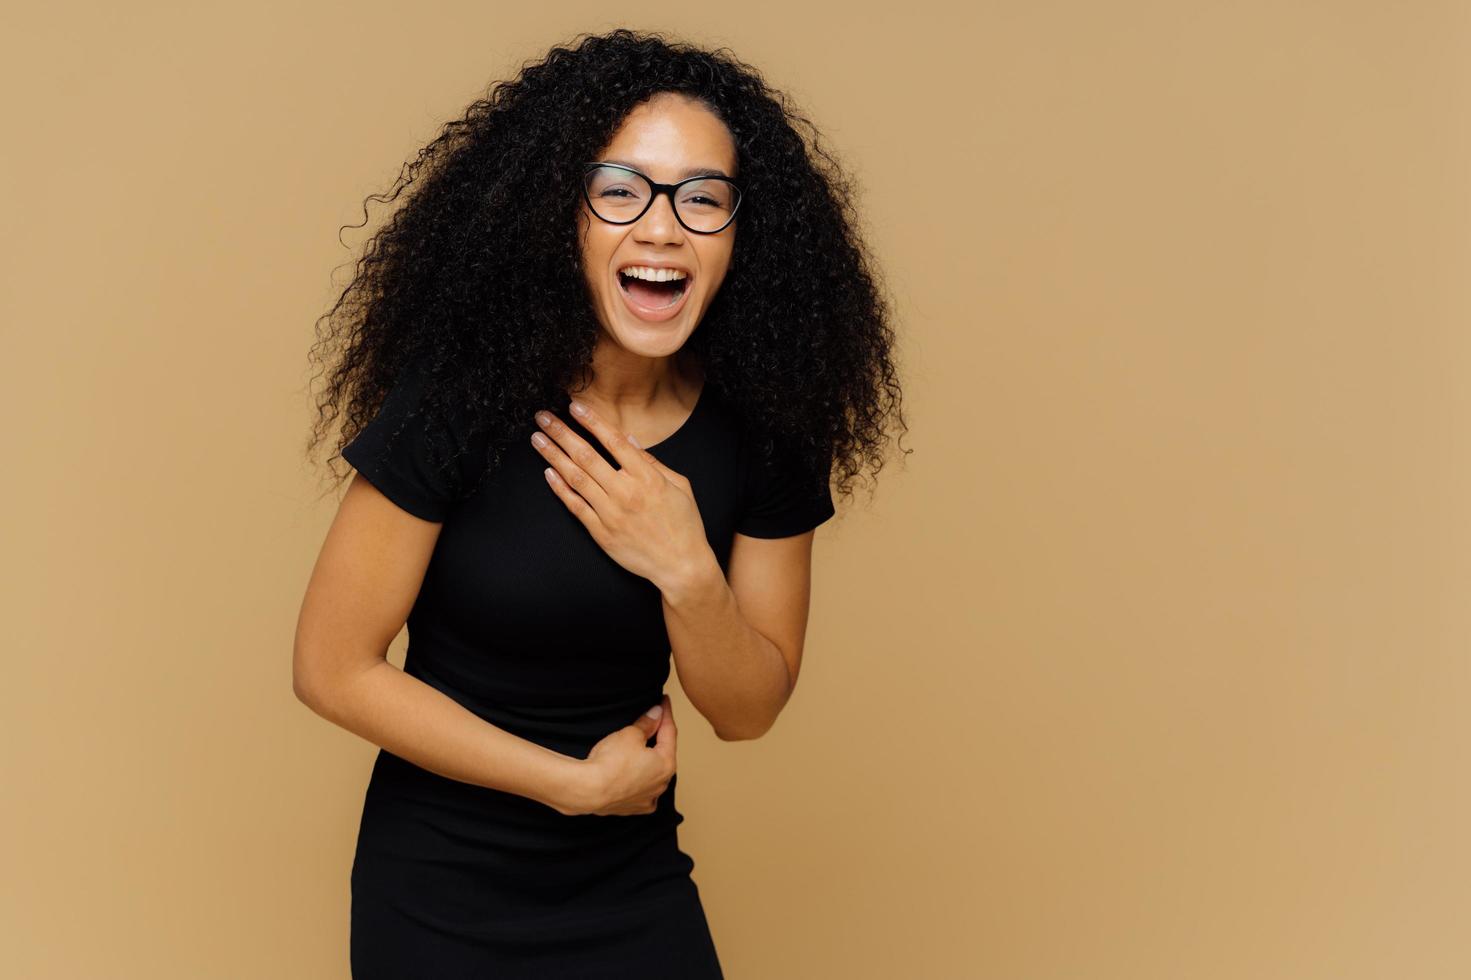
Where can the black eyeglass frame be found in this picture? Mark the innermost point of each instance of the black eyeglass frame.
(657, 189)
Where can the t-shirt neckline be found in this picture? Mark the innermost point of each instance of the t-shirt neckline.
(677, 434)
(688, 420)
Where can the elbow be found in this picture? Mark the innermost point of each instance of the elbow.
(308, 682)
(305, 664)
(743, 733)
(730, 735)
(306, 692)
(319, 696)
(754, 726)
(324, 683)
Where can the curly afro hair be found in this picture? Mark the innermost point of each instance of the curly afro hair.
(477, 278)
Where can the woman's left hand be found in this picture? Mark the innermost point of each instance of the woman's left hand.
(643, 515)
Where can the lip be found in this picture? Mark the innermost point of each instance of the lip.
(647, 314)
(654, 264)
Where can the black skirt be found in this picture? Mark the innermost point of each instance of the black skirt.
(453, 881)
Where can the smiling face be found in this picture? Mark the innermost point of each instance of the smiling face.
(664, 138)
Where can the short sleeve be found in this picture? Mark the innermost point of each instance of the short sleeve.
(781, 496)
(406, 458)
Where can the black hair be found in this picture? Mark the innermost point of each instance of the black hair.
(477, 278)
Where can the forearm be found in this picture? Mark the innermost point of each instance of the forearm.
(737, 678)
(416, 722)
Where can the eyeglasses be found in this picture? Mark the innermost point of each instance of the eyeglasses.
(620, 196)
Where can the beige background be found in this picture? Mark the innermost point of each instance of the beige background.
(1151, 662)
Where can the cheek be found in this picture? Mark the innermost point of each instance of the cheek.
(594, 264)
(716, 262)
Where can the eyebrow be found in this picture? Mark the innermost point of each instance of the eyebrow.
(690, 172)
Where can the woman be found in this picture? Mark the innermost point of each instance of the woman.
(632, 228)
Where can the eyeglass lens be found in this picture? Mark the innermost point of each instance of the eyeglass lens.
(620, 195)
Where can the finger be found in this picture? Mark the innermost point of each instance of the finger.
(580, 464)
(579, 507)
(673, 476)
(572, 472)
(645, 455)
(618, 442)
(666, 735)
(647, 723)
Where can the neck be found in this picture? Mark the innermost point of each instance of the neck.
(628, 381)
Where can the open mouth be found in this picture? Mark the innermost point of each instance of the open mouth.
(652, 295)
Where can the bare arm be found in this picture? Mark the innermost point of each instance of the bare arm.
(737, 639)
(363, 585)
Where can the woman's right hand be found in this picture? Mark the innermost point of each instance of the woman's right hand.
(626, 776)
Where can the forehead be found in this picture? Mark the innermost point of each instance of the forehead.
(672, 135)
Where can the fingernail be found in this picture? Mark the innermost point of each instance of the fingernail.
(633, 440)
(655, 711)
(578, 407)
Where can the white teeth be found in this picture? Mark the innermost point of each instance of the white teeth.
(651, 274)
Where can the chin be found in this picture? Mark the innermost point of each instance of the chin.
(649, 340)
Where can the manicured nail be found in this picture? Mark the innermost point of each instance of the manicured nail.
(543, 419)
(655, 711)
(578, 407)
(633, 440)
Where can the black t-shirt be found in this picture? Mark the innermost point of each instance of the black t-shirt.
(522, 617)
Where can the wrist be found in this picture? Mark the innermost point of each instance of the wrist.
(577, 790)
(573, 790)
(697, 577)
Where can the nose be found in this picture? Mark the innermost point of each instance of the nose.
(659, 226)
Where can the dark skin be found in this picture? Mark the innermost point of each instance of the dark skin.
(644, 515)
(736, 637)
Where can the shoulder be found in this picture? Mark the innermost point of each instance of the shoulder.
(782, 489)
(417, 448)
